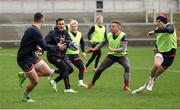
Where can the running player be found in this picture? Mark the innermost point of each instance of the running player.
(29, 62)
(96, 35)
(76, 36)
(59, 57)
(117, 43)
(165, 51)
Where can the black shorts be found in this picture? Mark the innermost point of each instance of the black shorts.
(73, 57)
(27, 63)
(168, 58)
(95, 44)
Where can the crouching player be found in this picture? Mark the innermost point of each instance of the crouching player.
(166, 44)
(117, 42)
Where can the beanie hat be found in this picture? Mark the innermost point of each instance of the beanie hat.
(163, 19)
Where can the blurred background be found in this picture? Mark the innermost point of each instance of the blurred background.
(137, 16)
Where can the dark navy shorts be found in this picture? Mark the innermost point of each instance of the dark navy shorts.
(168, 58)
(28, 63)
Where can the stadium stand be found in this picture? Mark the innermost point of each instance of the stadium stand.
(177, 25)
(136, 23)
(18, 22)
(133, 24)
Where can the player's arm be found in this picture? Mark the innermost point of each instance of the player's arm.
(42, 43)
(155, 49)
(82, 44)
(124, 43)
(100, 45)
(105, 34)
(49, 37)
(67, 28)
(68, 39)
(167, 29)
(70, 44)
(91, 30)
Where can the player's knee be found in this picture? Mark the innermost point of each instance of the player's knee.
(81, 68)
(49, 72)
(157, 63)
(65, 75)
(71, 70)
(99, 69)
(66, 72)
(35, 82)
(158, 60)
(127, 68)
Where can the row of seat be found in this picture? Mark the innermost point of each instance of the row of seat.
(82, 17)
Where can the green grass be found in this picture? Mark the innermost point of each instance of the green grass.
(106, 94)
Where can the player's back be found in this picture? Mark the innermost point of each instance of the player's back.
(29, 41)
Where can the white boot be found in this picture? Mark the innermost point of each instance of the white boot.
(141, 89)
(53, 84)
(150, 84)
(81, 84)
(70, 91)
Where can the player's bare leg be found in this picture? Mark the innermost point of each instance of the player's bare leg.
(33, 77)
(43, 69)
(156, 70)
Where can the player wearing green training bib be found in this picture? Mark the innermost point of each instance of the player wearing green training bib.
(96, 35)
(67, 27)
(165, 51)
(73, 55)
(117, 43)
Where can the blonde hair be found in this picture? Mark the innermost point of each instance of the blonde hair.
(98, 17)
(73, 22)
(71, 19)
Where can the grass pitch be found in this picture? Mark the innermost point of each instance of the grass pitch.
(107, 93)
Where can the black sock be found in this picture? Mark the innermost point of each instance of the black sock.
(59, 78)
(67, 83)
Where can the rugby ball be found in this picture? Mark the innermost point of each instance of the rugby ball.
(73, 46)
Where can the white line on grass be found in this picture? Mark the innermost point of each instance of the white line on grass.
(144, 68)
(8, 55)
(117, 65)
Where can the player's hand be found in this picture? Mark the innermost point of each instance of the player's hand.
(61, 45)
(150, 33)
(155, 50)
(62, 40)
(84, 55)
(112, 49)
(90, 50)
(39, 51)
(90, 41)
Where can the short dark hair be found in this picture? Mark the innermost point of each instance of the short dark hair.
(163, 19)
(38, 17)
(117, 22)
(59, 19)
